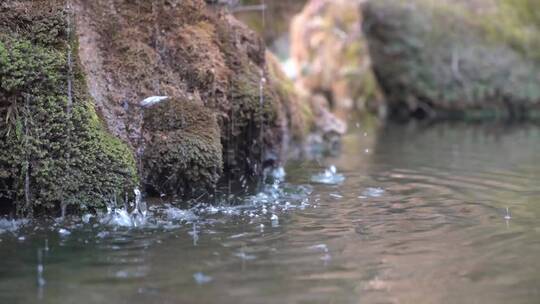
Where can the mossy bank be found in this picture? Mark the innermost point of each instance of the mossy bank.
(54, 149)
(73, 75)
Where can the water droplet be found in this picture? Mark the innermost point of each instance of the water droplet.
(246, 257)
(373, 192)
(200, 278)
(64, 232)
(321, 247)
(508, 215)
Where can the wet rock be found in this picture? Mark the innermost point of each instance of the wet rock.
(183, 50)
(455, 59)
(329, 54)
(174, 94)
(182, 147)
(311, 121)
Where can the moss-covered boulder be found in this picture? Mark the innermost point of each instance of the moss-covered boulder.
(183, 152)
(456, 59)
(54, 149)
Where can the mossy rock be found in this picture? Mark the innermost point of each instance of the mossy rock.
(54, 149)
(182, 149)
(184, 49)
(448, 60)
(75, 134)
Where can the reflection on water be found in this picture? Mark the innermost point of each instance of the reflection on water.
(420, 217)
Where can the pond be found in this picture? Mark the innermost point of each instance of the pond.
(447, 213)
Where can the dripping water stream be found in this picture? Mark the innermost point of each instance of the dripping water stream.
(69, 93)
(262, 83)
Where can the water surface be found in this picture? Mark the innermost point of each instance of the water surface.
(420, 217)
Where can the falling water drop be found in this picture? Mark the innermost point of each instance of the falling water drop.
(275, 220)
(40, 280)
(195, 234)
(200, 278)
(508, 215)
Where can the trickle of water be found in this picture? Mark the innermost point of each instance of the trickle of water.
(40, 280)
(63, 208)
(69, 60)
(194, 234)
(262, 83)
(508, 215)
(27, 160)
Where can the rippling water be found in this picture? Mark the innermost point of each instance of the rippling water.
(420, 217)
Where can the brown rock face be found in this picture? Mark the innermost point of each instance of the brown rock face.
(212, 68)
(330, 56)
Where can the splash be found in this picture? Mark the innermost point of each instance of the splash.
(11, 225)
(508, 215)
(373, 192)
(200, 278)
(328, 177)
(120, 216)
(263, 209)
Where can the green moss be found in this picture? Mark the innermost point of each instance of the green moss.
(182, 153)
(436, 57)
(53, 152)
(517, 22)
